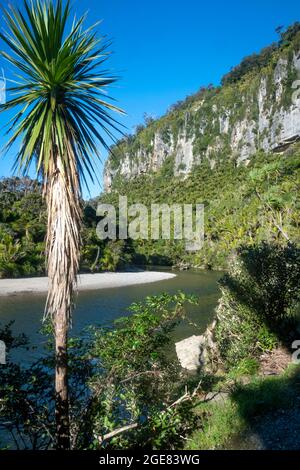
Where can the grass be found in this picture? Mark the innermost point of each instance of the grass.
(222, 421)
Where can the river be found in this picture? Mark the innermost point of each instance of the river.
(101, 307)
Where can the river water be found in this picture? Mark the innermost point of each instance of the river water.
(101, 307)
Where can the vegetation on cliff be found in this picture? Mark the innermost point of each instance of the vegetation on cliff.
(243, 205)
(246, 177)
(220, 122)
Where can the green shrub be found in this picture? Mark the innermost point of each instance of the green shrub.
(247, 366)
(118, 376)
(259, 302)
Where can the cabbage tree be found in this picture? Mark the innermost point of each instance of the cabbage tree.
(62, 116)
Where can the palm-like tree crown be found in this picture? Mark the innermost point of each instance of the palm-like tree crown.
(60, 120)
(59, 89)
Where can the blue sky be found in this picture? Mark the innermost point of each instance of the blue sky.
(164, 50)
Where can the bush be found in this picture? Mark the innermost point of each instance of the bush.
(118, 376)
(260, 300)
(137, 381)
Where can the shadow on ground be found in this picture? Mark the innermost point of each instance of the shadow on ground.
(271, 411)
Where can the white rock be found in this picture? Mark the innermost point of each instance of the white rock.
(188, 352)
(184, 155)
(161, 150)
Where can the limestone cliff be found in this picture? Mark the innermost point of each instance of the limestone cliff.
(259, 111)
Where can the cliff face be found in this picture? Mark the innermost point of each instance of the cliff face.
(261, 111)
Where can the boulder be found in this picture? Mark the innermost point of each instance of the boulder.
(197, 351)
(188, 352)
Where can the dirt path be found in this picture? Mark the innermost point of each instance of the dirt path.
(277, 431)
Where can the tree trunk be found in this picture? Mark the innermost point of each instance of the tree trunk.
(61, 382)
(63, 251)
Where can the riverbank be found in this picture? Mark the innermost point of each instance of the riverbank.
(85, 282)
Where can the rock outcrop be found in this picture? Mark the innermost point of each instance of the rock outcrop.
(260, 112)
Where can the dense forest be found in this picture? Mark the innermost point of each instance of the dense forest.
(243, 205)
(23, 229)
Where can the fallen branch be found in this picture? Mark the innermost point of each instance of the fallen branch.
(134, 376)
(187, 396)
(116, 432)
(184, 397)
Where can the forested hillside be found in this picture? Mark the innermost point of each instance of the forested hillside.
(233, 148)
(257, 108)
(243, 205)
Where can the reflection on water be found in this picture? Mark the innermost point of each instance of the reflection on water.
(103, 306)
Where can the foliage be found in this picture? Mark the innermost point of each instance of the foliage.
(253, 62)
(27, 393)
(23, 229)
(245, 367)
(259, 202)
(60, 89)
(118, 376)
(289, 33)
(138, 382)
(260, 301)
